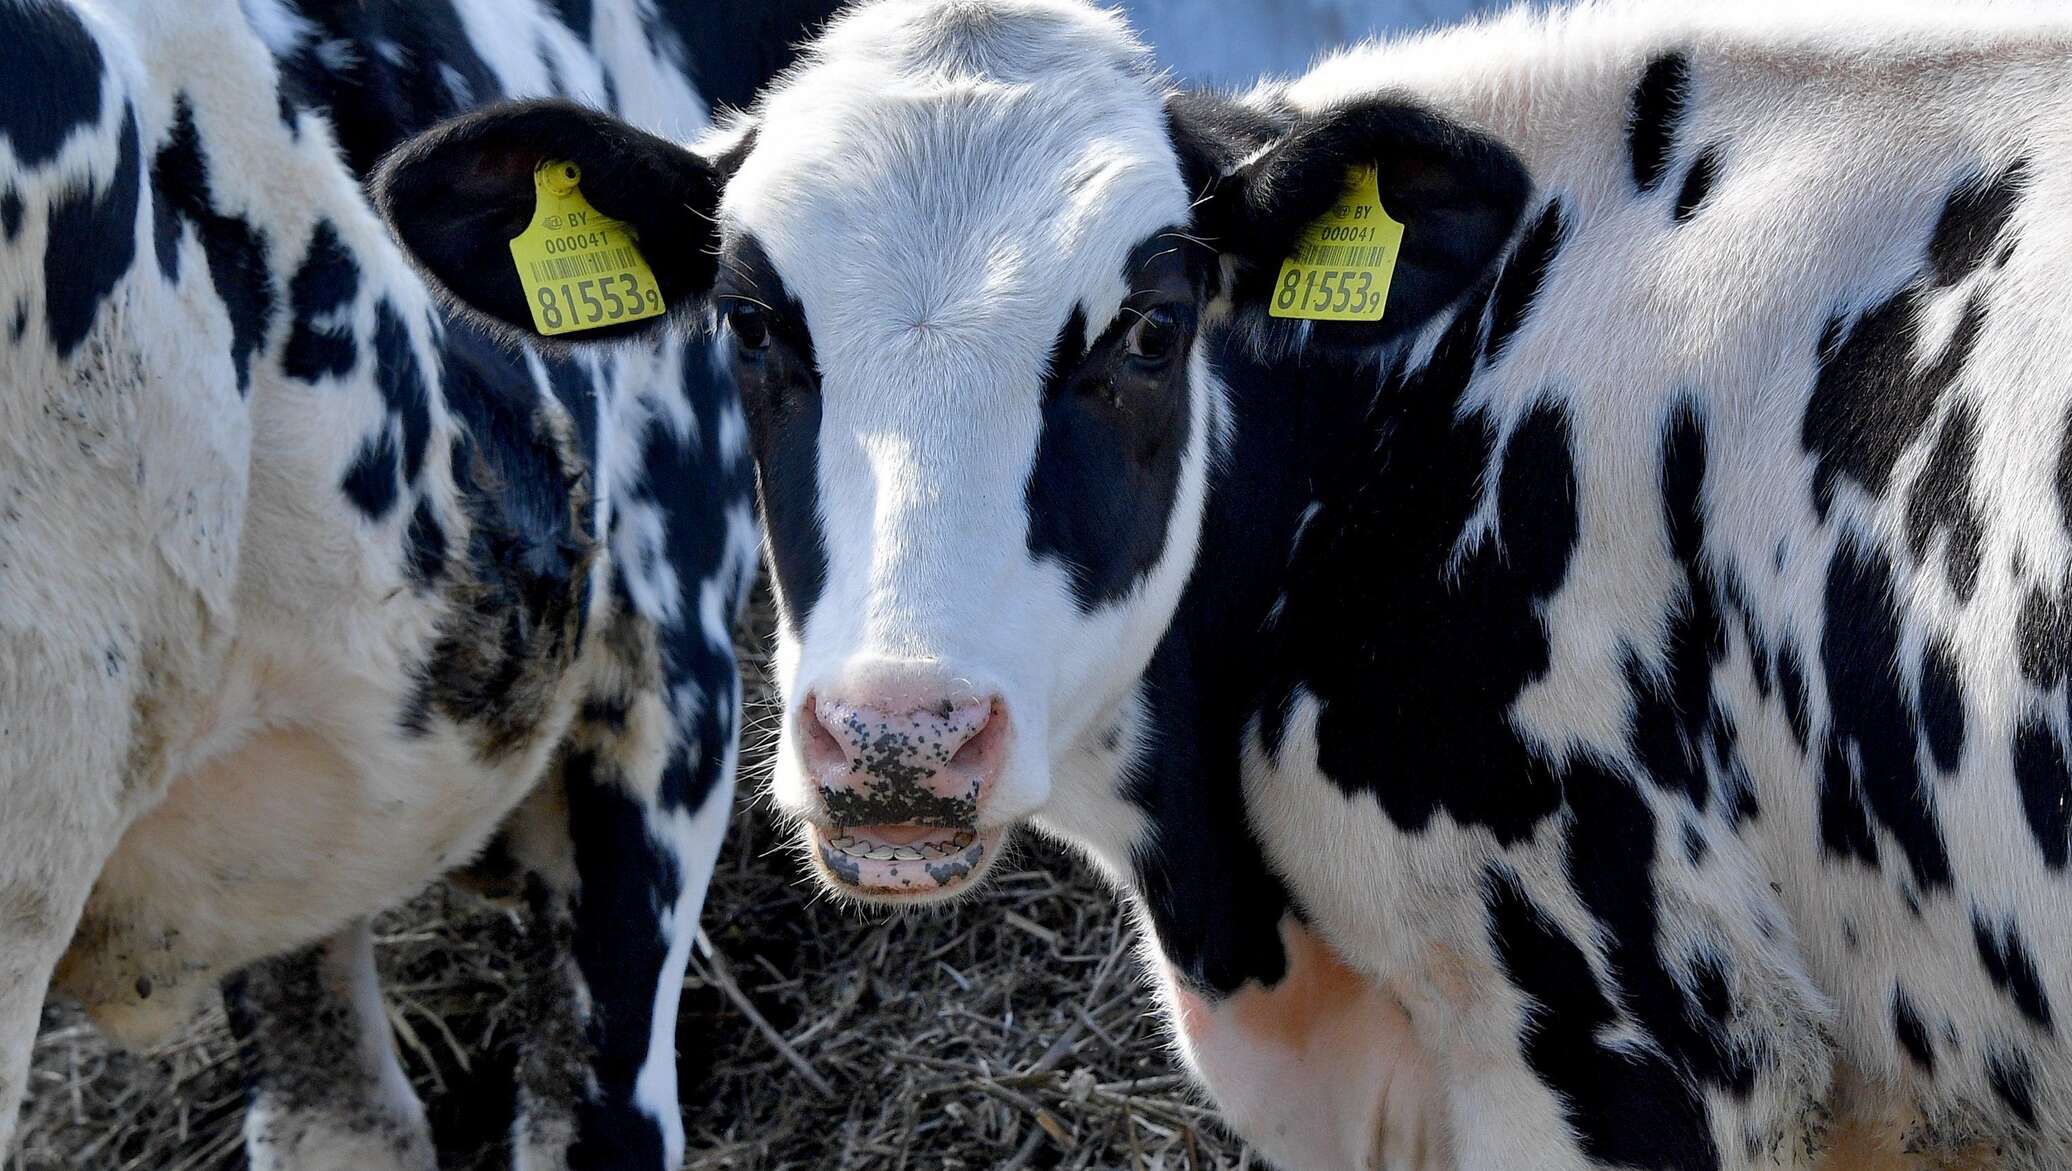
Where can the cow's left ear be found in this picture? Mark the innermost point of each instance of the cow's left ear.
(1263, 177)
(458, 194)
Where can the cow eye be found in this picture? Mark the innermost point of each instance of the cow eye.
(749, 324)
(1157, 335)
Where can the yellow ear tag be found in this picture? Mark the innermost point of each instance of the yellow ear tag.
(580, 269)
(1344, 261)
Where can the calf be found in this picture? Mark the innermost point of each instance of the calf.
(1579, 682)
(306, 587)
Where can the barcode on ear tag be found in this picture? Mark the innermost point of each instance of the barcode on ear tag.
(580, 269)
(1341, 266)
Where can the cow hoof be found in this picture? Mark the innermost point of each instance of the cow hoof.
(281, 1139)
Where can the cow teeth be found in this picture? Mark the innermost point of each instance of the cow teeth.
(931, 850)
(853, 846)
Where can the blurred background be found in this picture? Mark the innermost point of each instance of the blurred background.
(1231, 42)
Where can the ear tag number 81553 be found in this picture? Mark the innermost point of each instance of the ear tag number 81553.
(1342, 264)
(580, 269)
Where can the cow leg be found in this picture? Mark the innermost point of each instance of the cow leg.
(67, 780)
(620, 862)
(1498, 1110)
(1320, 1071)
(327, 1090)
(49, 854)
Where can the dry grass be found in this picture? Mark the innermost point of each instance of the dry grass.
(1009, 1032)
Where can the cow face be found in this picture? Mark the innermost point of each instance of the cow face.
(964, 260)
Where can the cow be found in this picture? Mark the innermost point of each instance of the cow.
(311, 592)
(1572, 676)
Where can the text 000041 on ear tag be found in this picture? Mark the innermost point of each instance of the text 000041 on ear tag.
(581, 270)
(1342, 264)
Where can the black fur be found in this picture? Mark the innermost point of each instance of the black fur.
(1525, 272)
(92, 242)
(1674, 718)
(2043, 776)
(374, 103)
(322, 289)
(371, 479)
(780, 390)
(732, 49)
(54, 69)
(1942, 502)
(425, 547)
(2014, 1082)
(1872, 751)
(1611, 861)
(1654, 117)
(1973, 221)
(1107, 470)
(1913, 1035)
(1204, 880)
(1602, 1090)
(1871, 400)
(402, 384)
(526, 558)
(1416, 688)
(1697, 185)
(624, 880)
(1942, 704)
(236, 251)
(2011, 968)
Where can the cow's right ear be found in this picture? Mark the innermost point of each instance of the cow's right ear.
(1263, 176)
(456, 196)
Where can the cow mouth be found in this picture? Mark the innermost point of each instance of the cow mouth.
(903, 863)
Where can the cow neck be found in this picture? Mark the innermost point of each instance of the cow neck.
(1296, 532)
(1215, 904)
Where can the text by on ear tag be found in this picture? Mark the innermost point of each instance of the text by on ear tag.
(1342, 264)
(580, 269)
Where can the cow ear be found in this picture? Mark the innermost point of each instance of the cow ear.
(456, 196)
(1263, 177)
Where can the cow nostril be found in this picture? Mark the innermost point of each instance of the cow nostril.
(981, 752)
(824, 749)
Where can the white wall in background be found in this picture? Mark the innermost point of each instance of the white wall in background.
(1232, 42)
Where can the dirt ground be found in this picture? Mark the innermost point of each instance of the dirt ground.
(1008, 1032)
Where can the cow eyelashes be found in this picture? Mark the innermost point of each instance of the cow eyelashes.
(750, 325)
(1156, 337)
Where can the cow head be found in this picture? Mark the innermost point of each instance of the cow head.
(962, 260)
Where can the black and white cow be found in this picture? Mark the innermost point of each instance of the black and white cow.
(1611, 712)
(306, 587)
